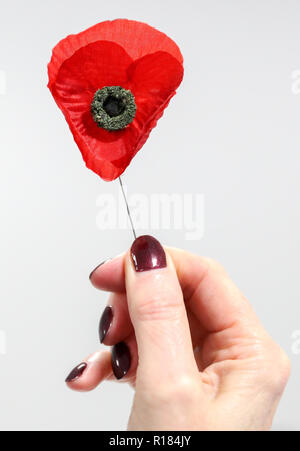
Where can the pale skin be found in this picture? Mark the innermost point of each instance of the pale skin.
(201, 359)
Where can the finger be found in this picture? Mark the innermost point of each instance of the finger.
(93, 370)
(118, 364)
(125, 360)
(109, 275)
(115, 324)
(158, 313)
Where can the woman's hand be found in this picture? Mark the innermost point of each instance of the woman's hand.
(187, 340)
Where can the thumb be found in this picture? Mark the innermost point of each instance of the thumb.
(158, 313)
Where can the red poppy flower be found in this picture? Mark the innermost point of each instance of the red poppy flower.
(113, 82)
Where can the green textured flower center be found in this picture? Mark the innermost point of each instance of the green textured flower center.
(113, 108)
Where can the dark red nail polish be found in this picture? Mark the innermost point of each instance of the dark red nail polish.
(120, 359)
(147, 253)
(77, 372)
(98, 267)
(105, 323)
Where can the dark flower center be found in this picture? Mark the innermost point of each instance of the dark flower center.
(113, 108)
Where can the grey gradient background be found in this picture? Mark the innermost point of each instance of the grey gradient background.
(231, 133)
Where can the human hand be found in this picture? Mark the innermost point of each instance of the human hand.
(187, 340)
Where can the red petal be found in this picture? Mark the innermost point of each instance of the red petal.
(138, 39)
(91, 68)
(153, 79)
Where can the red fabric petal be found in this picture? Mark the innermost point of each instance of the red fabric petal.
(152, 78)
(92, 67)
(138, 39)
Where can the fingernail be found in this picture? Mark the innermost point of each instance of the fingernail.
(120, 359)
(105, 323)
(94, 270)
(77, 372)
(147, 253)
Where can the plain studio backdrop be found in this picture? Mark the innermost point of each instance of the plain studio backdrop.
(230, 138)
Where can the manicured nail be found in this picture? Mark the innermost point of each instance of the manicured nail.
(105, 323)
(120, 359)
(147, 253)
(94, 270)
(77, 372)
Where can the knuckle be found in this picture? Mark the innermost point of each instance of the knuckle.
(284, 368)
(158, 307)
(277, 373)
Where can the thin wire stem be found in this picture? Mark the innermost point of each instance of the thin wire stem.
(127, 207)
